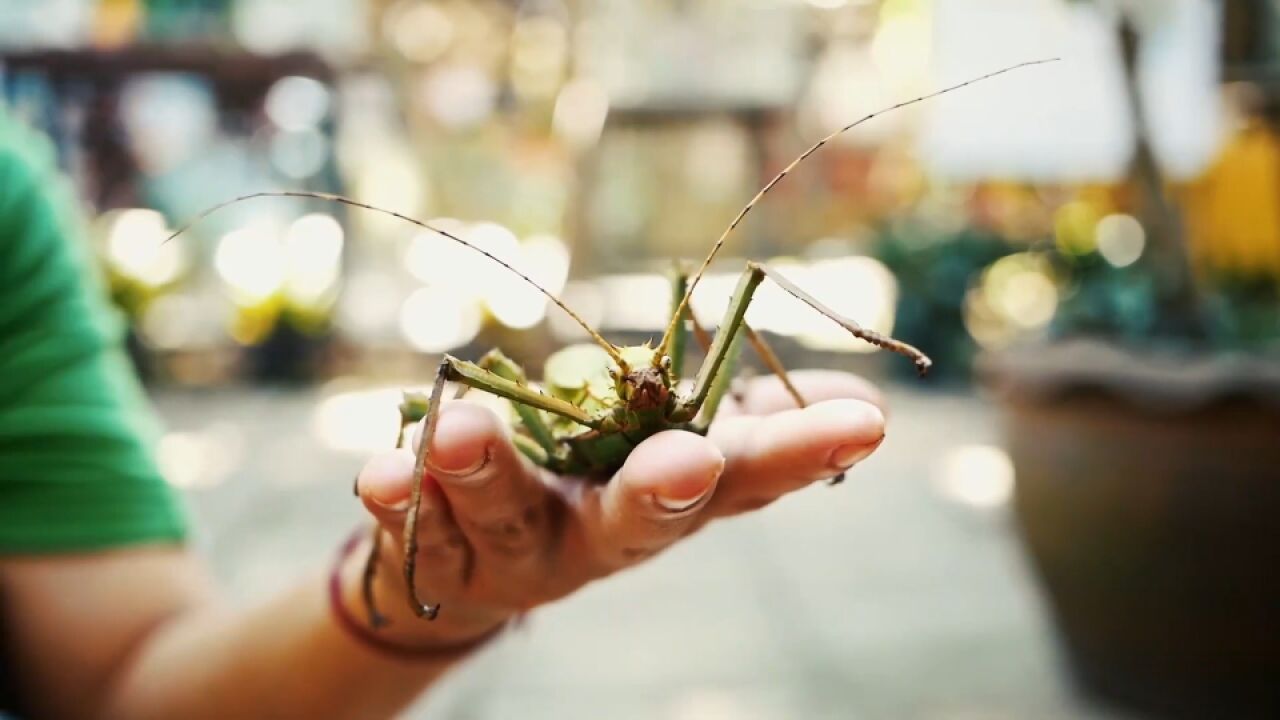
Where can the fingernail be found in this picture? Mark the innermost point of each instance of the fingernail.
(466, 473)
(672, 500)
(846, 456)
(675, 505)
(390, 502)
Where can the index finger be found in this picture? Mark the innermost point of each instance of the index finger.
(766, 395)
(771, 455)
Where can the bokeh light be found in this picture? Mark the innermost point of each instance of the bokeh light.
(580, 112)
(420, 31)
(980, 476)
(297, 103)
(514, 302)
(1016, 296)
(136, 247)
(357, 421)
(1121, 239)
(313, 252)
(437, 318)
(252, 263)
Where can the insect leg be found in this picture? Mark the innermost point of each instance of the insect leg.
(504, 367)
(922, 361)
(733, 320)
(723, 346)
(763, 350)
(720, 385)
(703, 338)
(771, 360)
(679, 341)
(679, 282)
(412, 409)
(376, 619)
(700, 333)
(767, 356)
(420, 608)
(470, 374)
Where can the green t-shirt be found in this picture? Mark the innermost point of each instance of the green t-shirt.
(76, 468)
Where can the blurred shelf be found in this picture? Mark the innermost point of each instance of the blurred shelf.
(235, 74)
(674, 113)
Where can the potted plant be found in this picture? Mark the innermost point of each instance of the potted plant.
(1146, 440)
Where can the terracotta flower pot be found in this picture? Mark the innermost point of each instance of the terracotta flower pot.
(1148, 498)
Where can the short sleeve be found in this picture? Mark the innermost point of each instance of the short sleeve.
(77, 470)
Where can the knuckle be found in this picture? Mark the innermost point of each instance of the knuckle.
(515, 532)
(752, 503)
(636, 554)
(442, 546)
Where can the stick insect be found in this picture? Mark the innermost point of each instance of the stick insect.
(599, 401)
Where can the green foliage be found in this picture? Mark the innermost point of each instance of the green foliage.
(1124, 304)
(935, 270)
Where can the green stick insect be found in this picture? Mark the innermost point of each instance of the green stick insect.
(599, 401)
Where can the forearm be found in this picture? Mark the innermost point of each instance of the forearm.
(136, 634)
(285, 658)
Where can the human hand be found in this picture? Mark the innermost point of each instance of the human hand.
(499, 536)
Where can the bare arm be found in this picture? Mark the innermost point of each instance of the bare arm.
(138, 633)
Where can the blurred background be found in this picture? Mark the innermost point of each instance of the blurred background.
(1122, 203)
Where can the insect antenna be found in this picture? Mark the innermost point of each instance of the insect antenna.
(608, 347)
(693, 282)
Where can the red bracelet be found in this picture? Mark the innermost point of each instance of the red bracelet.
(367, 637)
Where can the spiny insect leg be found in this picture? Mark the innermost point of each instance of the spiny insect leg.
(471, 375)
(421, 609)
(376, 619)
(774, 363)
(679, 341)
(722, 347)
(720, 385)
(922, 361)
(737, 310)
(737, 386)
(496, 362)
(410, 412)
(771, 360)
(700, 333)
(767, 356)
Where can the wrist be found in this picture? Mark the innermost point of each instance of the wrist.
(402, 634)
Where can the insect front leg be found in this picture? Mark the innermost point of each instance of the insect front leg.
(715, 374)
(763, 350)
(734, 320)
(471, 375)
(412, 409)
(421, 609)
(737, 310)
(721, 385)
(496, 362)
(679, 340)
(737, 386)
(724, 349)
(771, 360)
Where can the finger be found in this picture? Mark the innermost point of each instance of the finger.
(443, 556)
(496, 497)
(653, 499)
(765, 395)
(771, 455)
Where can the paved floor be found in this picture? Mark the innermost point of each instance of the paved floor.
(901, 594)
